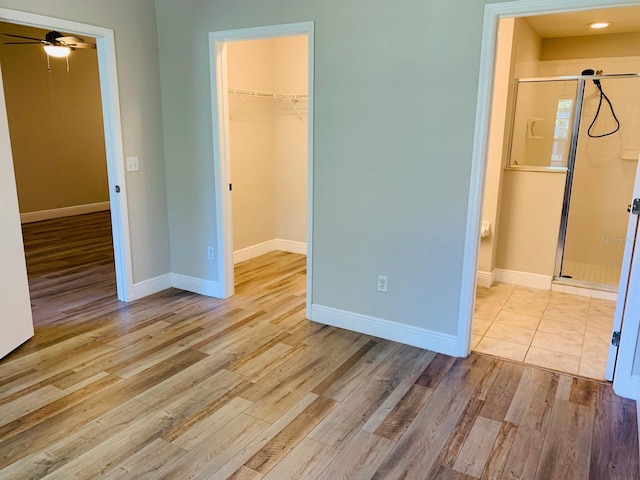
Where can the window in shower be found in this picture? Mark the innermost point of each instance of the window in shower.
(542, 124)
(561, 133)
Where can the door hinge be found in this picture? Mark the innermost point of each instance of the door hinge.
(230, 187)
(117, 188)
(615, 339)
(635, 206)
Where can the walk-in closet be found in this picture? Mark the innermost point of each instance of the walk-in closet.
(268, 134)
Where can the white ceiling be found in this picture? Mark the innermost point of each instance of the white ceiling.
(574, 24)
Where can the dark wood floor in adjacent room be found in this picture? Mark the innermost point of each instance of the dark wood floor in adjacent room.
(182, 386)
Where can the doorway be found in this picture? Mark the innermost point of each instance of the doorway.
(105, 43)
(263, 121)
(541, 281)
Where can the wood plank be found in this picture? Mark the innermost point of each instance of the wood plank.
(280, 445)
(359, 459)
(397, 422)
(416, 452)
(477, 448)
(196, 433)
(69, 447)
(231, 467)
(217, 449)
(533, 399)
(524, 455)
(614, 449)
(436, 371)
(307, 460)
(359, 405)
(343, 368)
(116, 449)
(584, 392)
(145, 463)
(412, 372)
(455, 442)
(499, 455)
(499, 398)
(567, 445)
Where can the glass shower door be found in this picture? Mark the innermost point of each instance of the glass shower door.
(542, 124)
(603, 180)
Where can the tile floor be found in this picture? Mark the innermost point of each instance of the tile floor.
(559, 331)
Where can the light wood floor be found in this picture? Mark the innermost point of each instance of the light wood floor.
(183, 386)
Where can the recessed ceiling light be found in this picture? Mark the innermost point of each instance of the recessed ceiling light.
(598, 25)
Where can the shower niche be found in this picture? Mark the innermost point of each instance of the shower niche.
(586, 127)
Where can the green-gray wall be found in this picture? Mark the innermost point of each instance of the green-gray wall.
(395, 101)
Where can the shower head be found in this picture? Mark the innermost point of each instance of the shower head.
(590, 71)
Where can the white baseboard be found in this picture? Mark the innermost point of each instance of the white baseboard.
(269, 246)
(30, 217)
(378, 327)
(524, 279)
(253, 251)
(197, 285)
(291, 246)
(485, 279)
(151, 286)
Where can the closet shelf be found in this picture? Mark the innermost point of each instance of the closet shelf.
(292, 98)
(262, 94)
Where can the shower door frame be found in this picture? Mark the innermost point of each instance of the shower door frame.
(571, 162)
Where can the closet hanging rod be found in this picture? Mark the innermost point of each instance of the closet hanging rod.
(258, 93)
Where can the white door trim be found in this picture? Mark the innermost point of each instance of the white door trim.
(492, 14)
(220, 108)
(105, 42)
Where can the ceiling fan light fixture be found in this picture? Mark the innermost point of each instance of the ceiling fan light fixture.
(58, 51)
(599, 25)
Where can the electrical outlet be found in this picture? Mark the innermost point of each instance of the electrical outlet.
(211, 253)
(382, 283)
(133, 164)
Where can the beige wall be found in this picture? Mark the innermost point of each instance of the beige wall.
(608, 45)
(55, 121)
(529, 205)
(268, 141)
(503, 78)
(291, 148)
(252, 142)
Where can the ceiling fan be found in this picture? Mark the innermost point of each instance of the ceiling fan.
(55, 44)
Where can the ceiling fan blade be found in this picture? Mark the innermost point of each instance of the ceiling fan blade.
(70, 39)
(81, 45)
(20, 36)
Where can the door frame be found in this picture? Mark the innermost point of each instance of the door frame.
(625, 383)
(106, 51)
(221, 148)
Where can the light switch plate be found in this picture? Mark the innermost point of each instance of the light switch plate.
(133, 164)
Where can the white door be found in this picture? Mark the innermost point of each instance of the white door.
(627, 285)
(16, 324)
